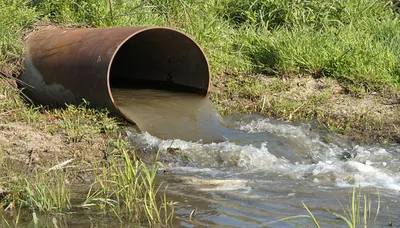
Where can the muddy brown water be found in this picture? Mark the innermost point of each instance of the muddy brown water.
(169, 115)
(249, 170)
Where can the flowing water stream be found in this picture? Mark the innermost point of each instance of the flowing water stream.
(250, 171)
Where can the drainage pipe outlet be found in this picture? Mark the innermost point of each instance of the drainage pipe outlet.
(64, 66)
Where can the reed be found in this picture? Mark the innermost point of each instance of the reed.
(358, 213)
(47, 192)
(129, 190)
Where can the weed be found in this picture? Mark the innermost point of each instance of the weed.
(78, 121)
(358, 214)
(47, 192)
(129, 190)
(271, 14)
(185, 156)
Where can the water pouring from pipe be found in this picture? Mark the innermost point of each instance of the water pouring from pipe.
(64, 66)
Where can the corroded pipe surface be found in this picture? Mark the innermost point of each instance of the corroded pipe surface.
(65, 65)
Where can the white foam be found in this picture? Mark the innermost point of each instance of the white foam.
(298, 137)
(217, 184)
(366, 175)
(368, 166)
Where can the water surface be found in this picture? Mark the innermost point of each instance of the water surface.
(249, 170)
(254, 180)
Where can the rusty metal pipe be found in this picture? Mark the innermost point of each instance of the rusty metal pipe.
(65, 65)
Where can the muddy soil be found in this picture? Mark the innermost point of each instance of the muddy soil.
(25, 148)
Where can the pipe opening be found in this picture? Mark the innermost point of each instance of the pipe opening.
(160, 58)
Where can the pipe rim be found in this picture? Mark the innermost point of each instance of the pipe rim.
(144, 29)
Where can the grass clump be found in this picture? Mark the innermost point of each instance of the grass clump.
(359, 212)
(130, 191)
(43, 192)
(124, 188)
(76, 121)
(355, 41)
(93, 13)
(47, 192)
(12, 105)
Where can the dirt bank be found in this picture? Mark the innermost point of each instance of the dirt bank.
(368, 117)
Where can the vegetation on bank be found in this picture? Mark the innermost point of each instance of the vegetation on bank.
(92, 154)
(355, 41)
(361, 211)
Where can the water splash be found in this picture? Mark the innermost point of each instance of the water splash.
(272, 148)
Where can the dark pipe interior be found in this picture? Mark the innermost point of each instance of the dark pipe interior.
(160, 59)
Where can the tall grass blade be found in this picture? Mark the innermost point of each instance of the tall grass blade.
(312, 216)
(349, 222)
(379, 205)
(290, 218)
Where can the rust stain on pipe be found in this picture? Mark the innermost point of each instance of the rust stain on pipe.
(66, 65)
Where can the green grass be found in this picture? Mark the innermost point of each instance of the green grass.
(14, 18)
(125, 187)
(129, 189)
(359, 212)
(93, 13)
(78, 121)
(75, 123)
(354, 41)
(47, 192)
